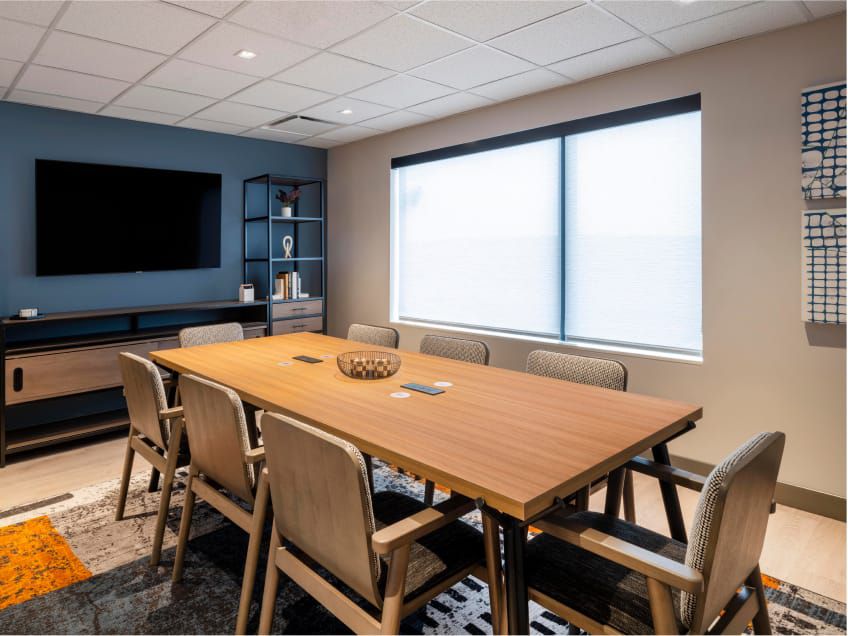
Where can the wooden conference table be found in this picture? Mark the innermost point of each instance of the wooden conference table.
(513, 440)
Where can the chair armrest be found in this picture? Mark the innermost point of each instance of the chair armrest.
(171, 413)
(617, 550)
(422, 523)
(255, 455)
(667, 473)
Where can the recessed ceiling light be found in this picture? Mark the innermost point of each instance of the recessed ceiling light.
(245, 54)
(346, 111)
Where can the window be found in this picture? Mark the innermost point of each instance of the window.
(587, 232)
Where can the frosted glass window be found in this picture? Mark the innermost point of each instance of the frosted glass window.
(633, 234)
(477, 240)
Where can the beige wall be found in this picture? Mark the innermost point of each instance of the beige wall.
(763, 368)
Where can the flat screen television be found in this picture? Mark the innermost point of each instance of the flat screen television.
(93, 218)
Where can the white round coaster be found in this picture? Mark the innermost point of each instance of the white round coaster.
(442, 383)
(284, 364)
(399, 394)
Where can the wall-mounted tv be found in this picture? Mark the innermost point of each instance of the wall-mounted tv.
(93, 218)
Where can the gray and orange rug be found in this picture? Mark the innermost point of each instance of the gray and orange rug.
(66, 567)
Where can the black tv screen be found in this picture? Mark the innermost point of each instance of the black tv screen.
(94, 218)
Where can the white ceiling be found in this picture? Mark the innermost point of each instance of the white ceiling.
(392, 63)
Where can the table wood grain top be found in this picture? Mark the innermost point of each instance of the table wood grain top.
(515, 439)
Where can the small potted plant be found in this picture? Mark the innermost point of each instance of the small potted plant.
(288, 199)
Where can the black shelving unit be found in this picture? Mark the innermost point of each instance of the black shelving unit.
(263, 231)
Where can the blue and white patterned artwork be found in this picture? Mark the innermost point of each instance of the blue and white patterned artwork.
(823, 240)
(823, 141)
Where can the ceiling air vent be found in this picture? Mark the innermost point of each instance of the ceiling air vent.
(301, 125)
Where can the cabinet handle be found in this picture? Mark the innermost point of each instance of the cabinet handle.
(298, 308)
(298, 326)
(18, 379)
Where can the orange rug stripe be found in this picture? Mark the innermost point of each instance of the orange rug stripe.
(34, 560)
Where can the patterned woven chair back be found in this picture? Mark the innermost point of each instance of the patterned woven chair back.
(730, 526)
(211, 334)
(321, 500)
(217, 435)
(373, 335)
(455, 348)
(608, 374)
(146, 397)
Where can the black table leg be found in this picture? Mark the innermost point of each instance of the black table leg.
(670, 499)
(615, 486)
(516, 585)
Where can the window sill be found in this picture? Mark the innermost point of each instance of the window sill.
(634, 352)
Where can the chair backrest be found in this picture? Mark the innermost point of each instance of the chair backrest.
(217, 435)
(730, 526)
(371, 334)
(321, 500)
(145, 396)
(211, 334)
(474, 351)
(608, 374)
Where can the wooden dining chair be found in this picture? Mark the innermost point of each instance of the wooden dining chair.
(223, 467)
(607, 575)
(211, 334)
(389, 549)
(373, 335)
(156, 433)
(607, 374)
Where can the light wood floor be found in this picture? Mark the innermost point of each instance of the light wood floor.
(802, 548)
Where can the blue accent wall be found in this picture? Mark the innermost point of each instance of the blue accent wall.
(28, 133)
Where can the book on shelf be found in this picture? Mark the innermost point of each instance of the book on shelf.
(287, 286)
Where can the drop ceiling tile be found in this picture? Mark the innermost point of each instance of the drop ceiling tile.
(41, 12)
(212, 126)
(401, 91)
(651, 16)
(217, 8)
(349, 133)
(524, 84)
(279, 96)
(331, 111)
(54, 81)
(8, 71)
(402, 43)
(137, 114)
(240, 114)
(484, 19)
(613, 58)
(154, 26)
(545, 42)
(77, 53)
(318, 142)
(189, 77)
(395, 120)
(303, 126)
(318, 23)
(333, 73)
(219, 47)
(821, 8)
(472, 67)
(749, 20)
(456, 103)
(54, 101)
(274, 135)
(162, 100)
(18, 41)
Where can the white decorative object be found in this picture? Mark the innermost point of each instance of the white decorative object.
(246, 293)
(287, 210)
(28, 313)
(823, 242)
(288, 245)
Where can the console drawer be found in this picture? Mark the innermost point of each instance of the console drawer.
(67, 372)
(297, 325)
(299, 308)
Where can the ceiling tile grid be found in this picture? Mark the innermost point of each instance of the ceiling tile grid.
(362, 68)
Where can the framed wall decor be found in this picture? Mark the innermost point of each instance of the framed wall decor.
(823, 158)
(823, 241)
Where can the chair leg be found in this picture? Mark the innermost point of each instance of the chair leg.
(185, 527)
(492, 545)
(762, 624)
(167, 482)
(629, 497)
(429, 492)
(129, 456)
(153, 486)
(662, 607)
(369, 468)
(252, 559)
(272, 582)
(395, 589)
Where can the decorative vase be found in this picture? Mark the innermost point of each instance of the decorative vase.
(287, 210)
